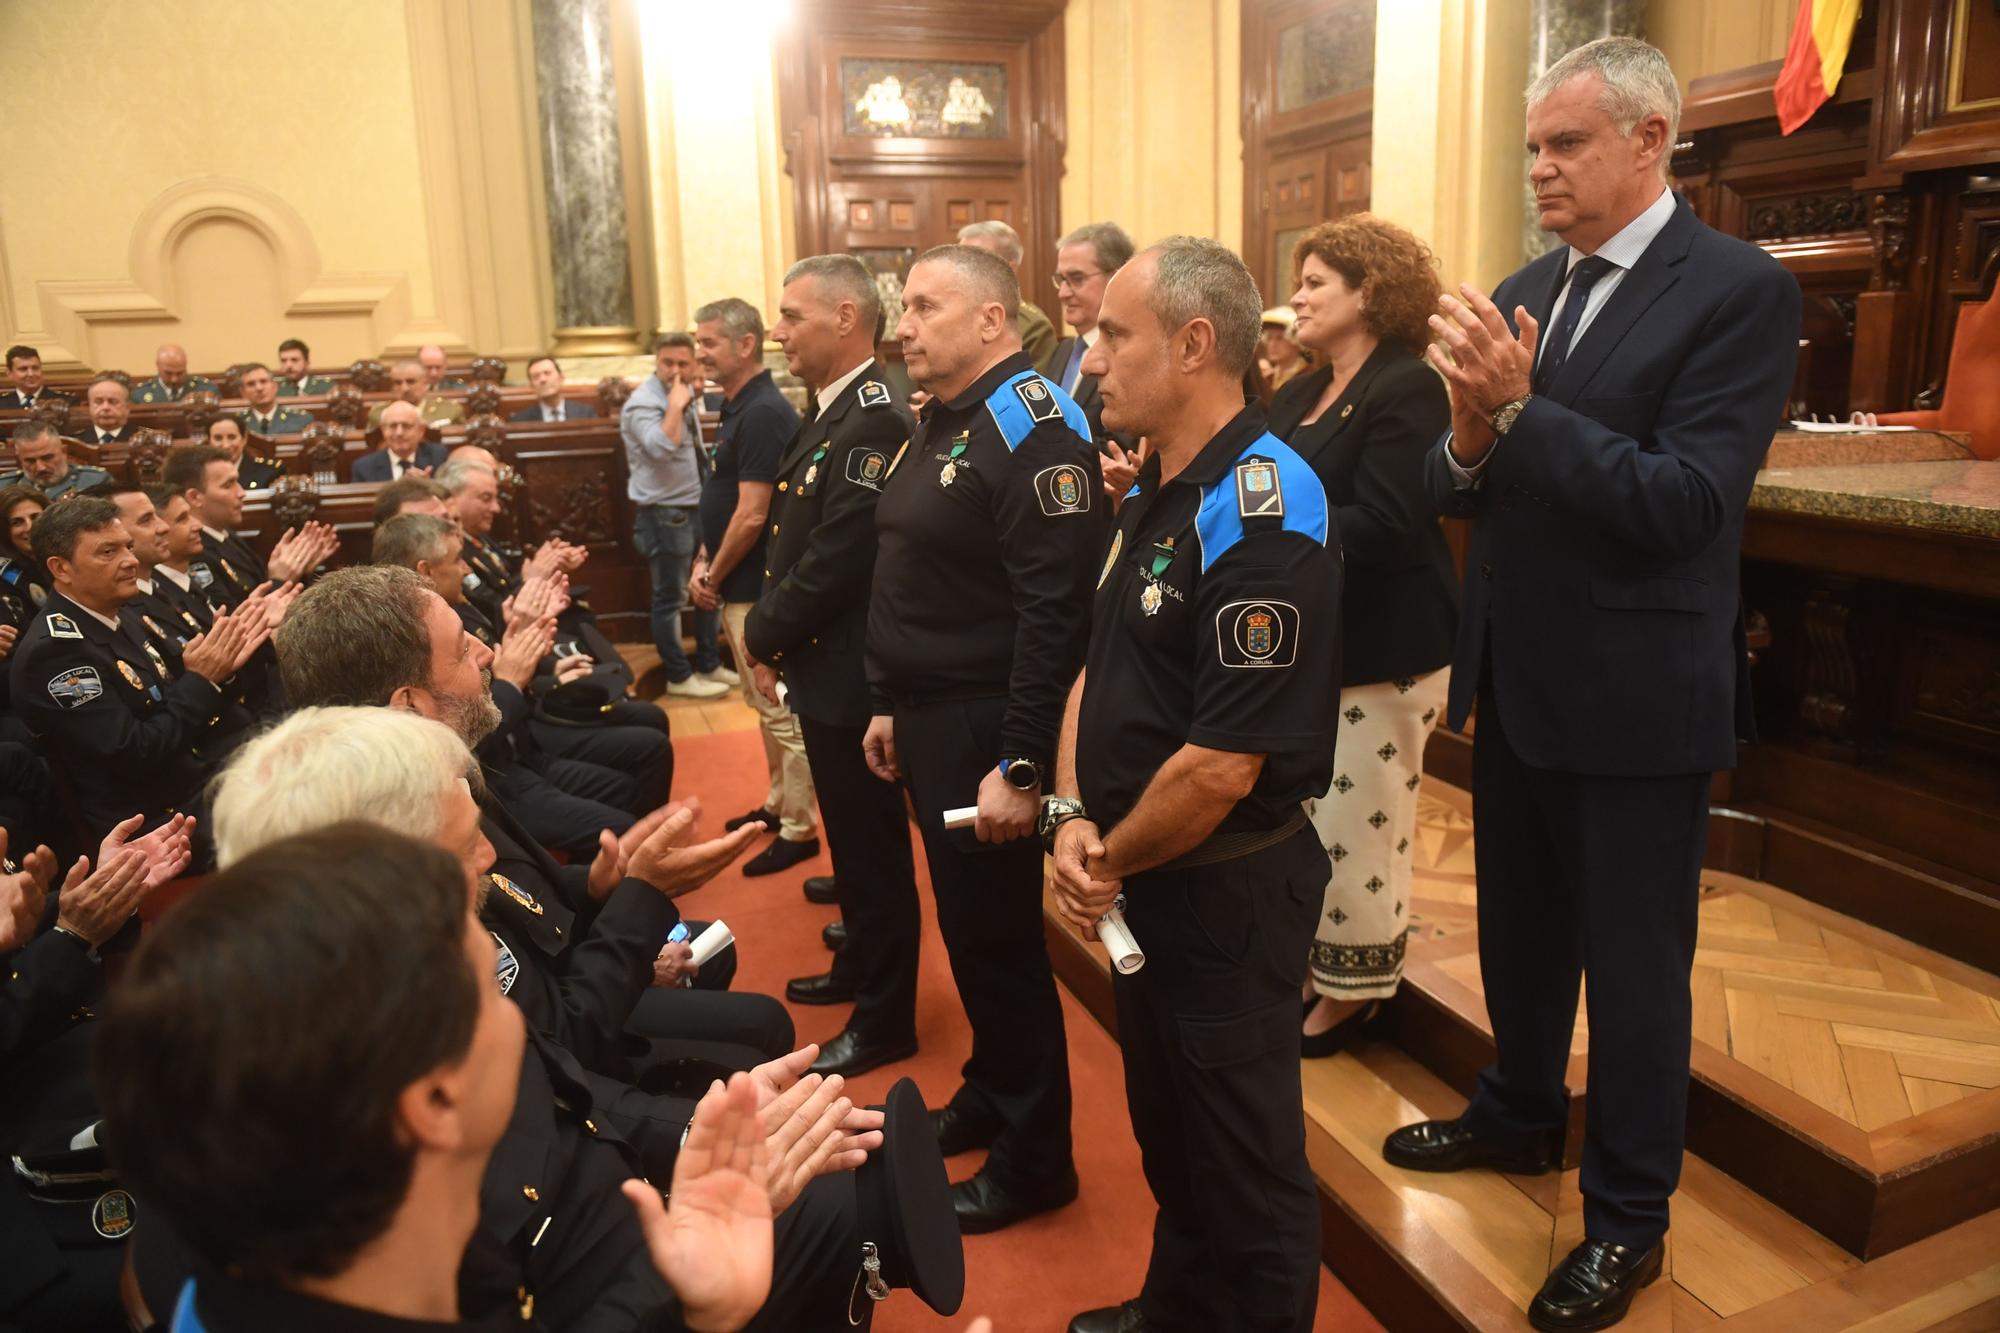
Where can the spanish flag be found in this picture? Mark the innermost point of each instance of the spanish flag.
(1821, 35)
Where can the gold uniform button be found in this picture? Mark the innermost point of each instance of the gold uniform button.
(532, 1194)
(784, 486)
(590, 1125)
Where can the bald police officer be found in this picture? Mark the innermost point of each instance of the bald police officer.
(988, 540)
(809, 624)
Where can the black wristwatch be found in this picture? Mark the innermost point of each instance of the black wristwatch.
(1021, 774)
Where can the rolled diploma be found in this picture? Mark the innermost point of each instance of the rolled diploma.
(963, 817)
(1116, 937)
(711, 942)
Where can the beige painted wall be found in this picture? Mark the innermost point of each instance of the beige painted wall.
(226, 174)
(1154, 92)
(1703, 37)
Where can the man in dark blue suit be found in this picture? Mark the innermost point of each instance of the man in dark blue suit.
(1603, 443)
(404, 448)
(546, 377)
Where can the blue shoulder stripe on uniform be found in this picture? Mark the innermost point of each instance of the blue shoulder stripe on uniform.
(1219, 522)
(1010, 412)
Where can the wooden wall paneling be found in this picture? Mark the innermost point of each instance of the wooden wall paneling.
(1939, 106)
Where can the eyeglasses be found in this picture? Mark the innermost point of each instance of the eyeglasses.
(1074, 281)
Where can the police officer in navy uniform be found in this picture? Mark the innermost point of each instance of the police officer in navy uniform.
(809, 626)
(988, 541)
(1201, 722)
(133, 734)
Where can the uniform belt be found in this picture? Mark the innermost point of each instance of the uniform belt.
(1221, 847)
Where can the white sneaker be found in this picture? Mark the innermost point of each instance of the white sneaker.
(722, 675)
(696, 687)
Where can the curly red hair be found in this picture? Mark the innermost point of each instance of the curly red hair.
(1398, 273)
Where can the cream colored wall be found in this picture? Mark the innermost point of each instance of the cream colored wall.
(227, 174)
(1154, 93)
(1702, 37)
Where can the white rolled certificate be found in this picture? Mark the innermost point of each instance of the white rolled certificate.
(711, 942)
(963, 817)
(1116, 937)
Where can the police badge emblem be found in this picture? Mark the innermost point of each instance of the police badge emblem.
(866, 467)
(506, 967)
(874, 394)
(1149, 600)
(1035, 396)
(1257, 634)
(153, 656)
(1062, 489)
(131, 676)
(202, 574)
(152, 626)
(62, 627)
(76, 687)
(111, 1215)
(1257, 493)
(812, 474)
(1111, 558)
(516, 892)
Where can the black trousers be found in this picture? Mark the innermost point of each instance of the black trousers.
(868, 836)
(1209, 1032)
(989, 909)
(1599, 875)
(568, 803)
(641, 756)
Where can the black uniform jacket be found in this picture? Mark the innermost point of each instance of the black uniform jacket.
(233, 568)
(132, 734)
(812, 619)
(1401, 600)
(989, 540)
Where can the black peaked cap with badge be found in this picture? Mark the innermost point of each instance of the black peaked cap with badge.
(813, 614)
(902, 1201)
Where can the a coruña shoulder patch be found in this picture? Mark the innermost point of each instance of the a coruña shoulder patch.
(1035, 396)
(1257, 492)
(1257, 634)
(867, 467)
(1063, 489)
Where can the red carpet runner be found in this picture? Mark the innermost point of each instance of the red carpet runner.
(1029, 1278)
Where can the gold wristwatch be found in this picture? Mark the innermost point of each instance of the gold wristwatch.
(1503, 416)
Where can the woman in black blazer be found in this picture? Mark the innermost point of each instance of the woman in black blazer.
(1364, 420)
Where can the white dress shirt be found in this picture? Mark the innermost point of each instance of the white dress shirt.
(1622, 251)
(553, 413)
(838, 387)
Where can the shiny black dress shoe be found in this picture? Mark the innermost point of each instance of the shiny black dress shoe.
(782, 854)
(1452, 1145)
(821, 889)
(983, 1204)
(850, 1053)
(959, 1130)
(1112, 1319)
(765, 817)
(1361, 1023)
(822, 989)
(1594, 1286)
(833, 935)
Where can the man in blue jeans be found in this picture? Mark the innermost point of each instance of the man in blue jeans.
(667, 464)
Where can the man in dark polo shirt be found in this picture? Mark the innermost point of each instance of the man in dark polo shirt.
(757, 425)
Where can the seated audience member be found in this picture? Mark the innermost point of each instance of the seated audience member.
(130, 733)
(418, 1085)
(1038, 334)
(110, 406)
(547, 379)
(171, 382)
(58, 1276)
(230, 568)
(411, 495)
(231, 436)
(1279, 358)
(24, 585)
(437, 367)
(262, 415)
(24, 368)
(295, 377)
(41, 461)
(404, 449)
(407, 382)
(174, 583)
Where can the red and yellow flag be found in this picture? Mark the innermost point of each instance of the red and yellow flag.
(1821, 35)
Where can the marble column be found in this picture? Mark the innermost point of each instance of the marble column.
(1555, 28)
(588, 243)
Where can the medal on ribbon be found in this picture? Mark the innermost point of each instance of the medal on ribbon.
(950, 473)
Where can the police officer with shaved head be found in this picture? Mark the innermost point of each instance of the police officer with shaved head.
(1201, 721)
(988, 540)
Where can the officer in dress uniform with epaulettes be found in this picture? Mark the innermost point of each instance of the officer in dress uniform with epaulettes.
(977, 621)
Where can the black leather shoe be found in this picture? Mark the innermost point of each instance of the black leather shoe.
(1451, 1145)
(822, 890)
(1594, 1286)
(983, 1205)
(769, 820)
(822, 989)
(833, 935)
(1111, 1319)
(960, 1131)
(782, 854)
(1361, 1023)
(850, 1053)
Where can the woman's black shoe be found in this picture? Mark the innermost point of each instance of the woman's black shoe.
(1336, 1039)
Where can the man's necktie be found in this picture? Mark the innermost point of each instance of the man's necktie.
(1582, 278)
(1073, 371)
(402, 466)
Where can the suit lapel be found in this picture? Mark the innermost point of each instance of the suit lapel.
(1657, 270)
(1341, 410)
(816, 430)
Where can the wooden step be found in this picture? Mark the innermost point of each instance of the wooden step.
(1848, 1075)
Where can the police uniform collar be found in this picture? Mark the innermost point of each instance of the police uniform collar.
(1219, 454)
(1006, 368)
(847, 392)
(217, 533)
(96, 628)
(179, 578)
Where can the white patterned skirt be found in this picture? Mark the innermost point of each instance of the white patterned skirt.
(1367, 822)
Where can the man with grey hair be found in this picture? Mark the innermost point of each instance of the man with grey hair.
(757, 423)
(1085, 261)
(42, 462)
(404, 450)
(1038, 334)
(1200, 723)
(665, 463)
(987, 539)
(1610, 408)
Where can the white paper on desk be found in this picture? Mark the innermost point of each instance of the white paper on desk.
(1846, 428)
